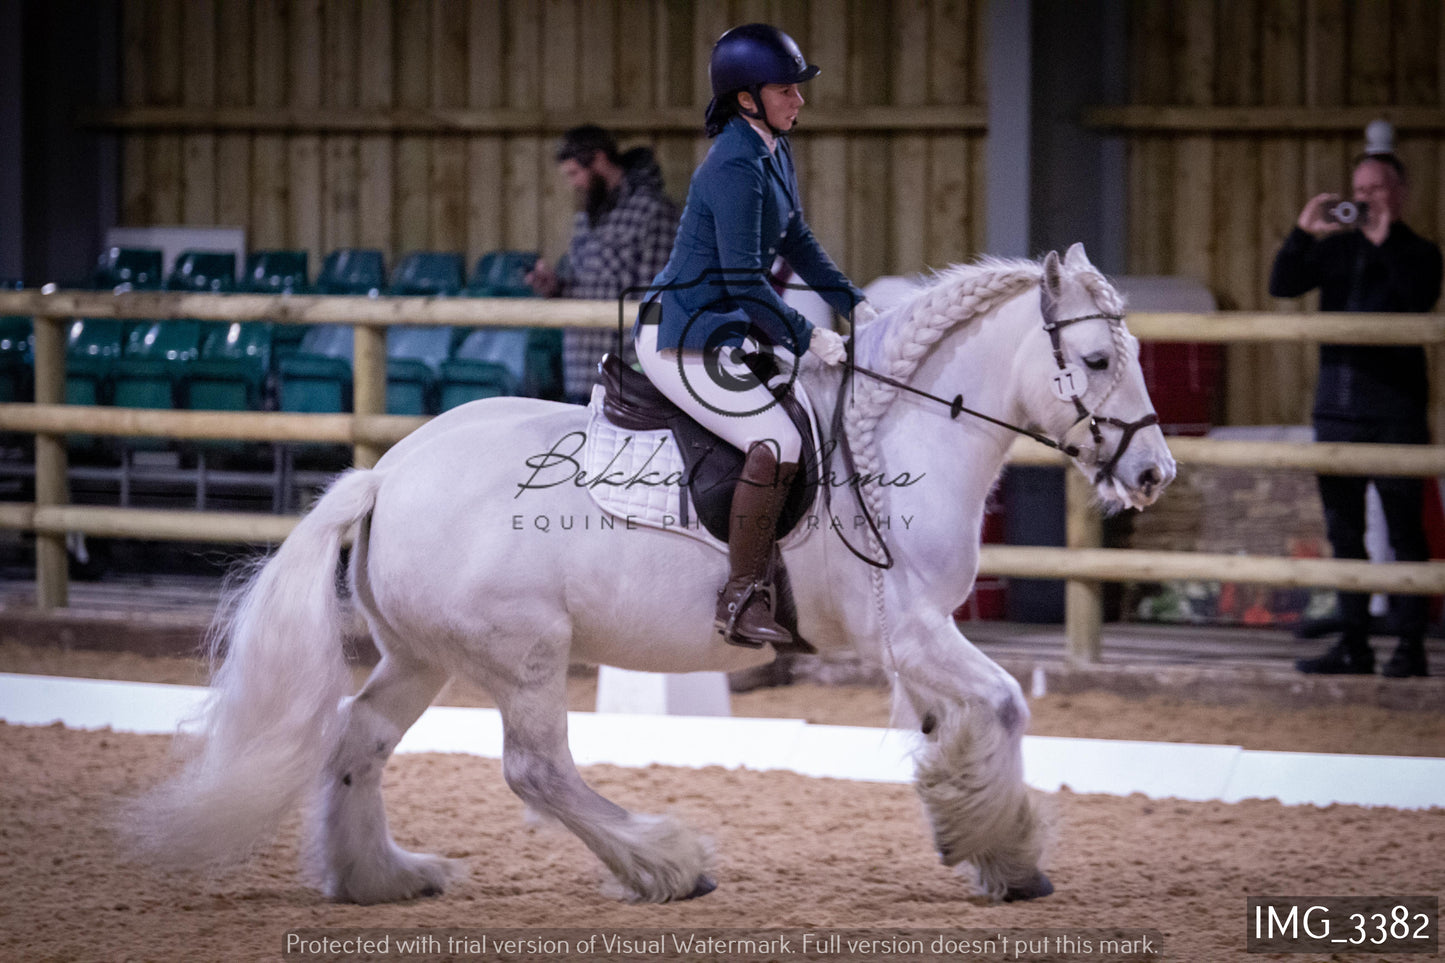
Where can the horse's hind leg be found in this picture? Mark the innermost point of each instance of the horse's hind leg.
(656, 858)
(355, 855)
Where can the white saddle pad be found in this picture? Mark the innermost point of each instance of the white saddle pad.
(638, 478)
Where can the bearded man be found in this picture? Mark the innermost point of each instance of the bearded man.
(621, 239)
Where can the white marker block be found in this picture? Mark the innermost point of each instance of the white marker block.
(664, 694)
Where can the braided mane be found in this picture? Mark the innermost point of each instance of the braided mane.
(956, 295)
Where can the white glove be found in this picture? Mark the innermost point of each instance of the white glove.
(827, 345)
(864, 313)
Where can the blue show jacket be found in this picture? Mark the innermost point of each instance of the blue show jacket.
(743, 209)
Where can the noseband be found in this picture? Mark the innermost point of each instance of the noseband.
(1064, 386)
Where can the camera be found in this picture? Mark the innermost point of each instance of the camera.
(1348, 213)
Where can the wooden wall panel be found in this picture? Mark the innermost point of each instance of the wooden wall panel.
(375, 175)
(1288, 369)
(135, 205)
(486, 220)
(340, 224)
(167, 165)
(910, 199)
(269, 208)
(882, 201)
(198, 89)
(233, 89)
(447, 191)
(949, 197)
(411, 28)
(304, 190)
(1213, 201)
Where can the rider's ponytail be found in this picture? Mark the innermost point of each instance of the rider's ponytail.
(719, 112)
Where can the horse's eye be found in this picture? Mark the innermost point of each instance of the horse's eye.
(1098, 362)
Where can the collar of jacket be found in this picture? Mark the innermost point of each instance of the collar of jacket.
(749, 135)
(739, 128)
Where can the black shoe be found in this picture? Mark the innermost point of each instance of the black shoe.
(1408, 660)
(1346, 658)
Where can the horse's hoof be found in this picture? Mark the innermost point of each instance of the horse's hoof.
(703, 886)
(428, 891)
(1035, 888)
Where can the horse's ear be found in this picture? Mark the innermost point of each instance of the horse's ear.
(1075, 259)
(1050, 286)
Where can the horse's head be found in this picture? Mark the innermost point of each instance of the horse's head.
(1081, 384)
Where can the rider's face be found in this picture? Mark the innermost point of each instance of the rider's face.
(781, 103)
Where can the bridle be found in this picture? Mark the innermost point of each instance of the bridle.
(1065, 389)
(1053, 325)
(1065, 385)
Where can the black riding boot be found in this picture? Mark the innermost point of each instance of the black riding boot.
(1407, 660)
(1351, 655)
(745, 605)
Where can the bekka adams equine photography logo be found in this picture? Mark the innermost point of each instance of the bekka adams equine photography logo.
(666, 474)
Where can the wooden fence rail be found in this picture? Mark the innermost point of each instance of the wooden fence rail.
(1082, 563)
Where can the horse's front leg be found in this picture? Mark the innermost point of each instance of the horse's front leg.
(970, 773)
(657, 859)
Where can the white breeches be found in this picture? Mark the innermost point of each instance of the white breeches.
(741, 416)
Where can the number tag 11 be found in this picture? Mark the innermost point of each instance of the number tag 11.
(1069, 382)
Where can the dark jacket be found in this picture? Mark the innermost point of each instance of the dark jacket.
(1364, 382)
(743, 209)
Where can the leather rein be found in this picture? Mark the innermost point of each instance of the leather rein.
(956, 407)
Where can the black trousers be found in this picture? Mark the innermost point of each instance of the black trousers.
(1403, 500)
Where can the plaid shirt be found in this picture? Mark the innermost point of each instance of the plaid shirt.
(627, 247)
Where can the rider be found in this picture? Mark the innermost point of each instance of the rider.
(743, 209)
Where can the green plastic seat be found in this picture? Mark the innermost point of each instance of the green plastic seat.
(428, 274)
(231, 374)
(93, 348)
(286, 340)
(137, 268)
(317, 379)
(154, 368)
(17, 363)
(544, 364)
(413, 368)
(502, 274)
(231, 370)
(506, 347)
(210, 271)
(465, 380)
(16, 336)
(276, 272)
(352, 270)
(310, 383)
(178, 341)
(532, 356)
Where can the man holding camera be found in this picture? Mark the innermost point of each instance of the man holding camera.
(1363, 258)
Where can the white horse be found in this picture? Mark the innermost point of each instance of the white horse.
(454, 577)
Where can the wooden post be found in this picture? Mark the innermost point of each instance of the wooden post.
(1083, 599)
(52, 587)
(369, 386)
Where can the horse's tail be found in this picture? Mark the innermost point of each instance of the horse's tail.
(271, 717)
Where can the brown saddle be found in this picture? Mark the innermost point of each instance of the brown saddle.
(712, 467)
(633, 403)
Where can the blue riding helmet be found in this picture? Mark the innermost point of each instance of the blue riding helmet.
(747, 57)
